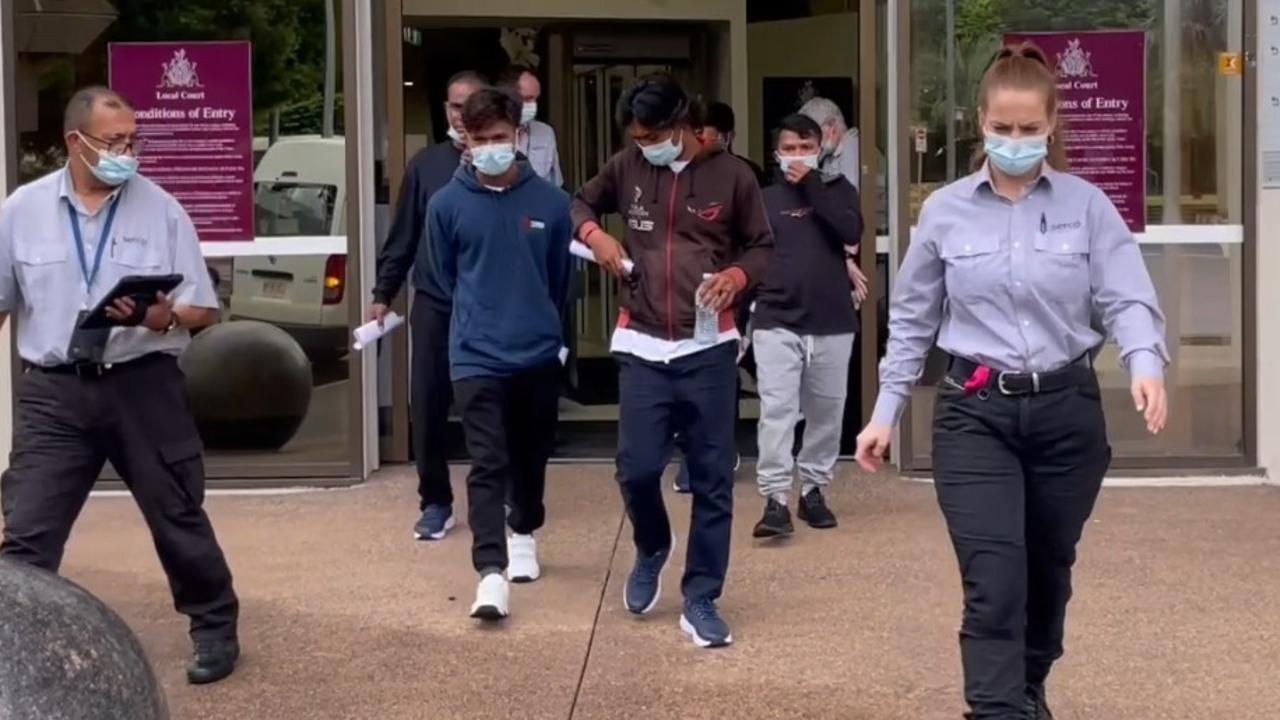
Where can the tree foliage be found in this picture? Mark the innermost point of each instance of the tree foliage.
(287, 36)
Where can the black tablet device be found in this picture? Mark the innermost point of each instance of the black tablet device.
(141, 288)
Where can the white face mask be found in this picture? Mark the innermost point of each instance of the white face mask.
(456, 136)
(528, 112)
(809, 161)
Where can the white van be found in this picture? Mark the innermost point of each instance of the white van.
(299, 191)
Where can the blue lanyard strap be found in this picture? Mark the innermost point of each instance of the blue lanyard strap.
(91, 275)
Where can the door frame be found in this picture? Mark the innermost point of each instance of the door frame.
(868, 132)
(396, 446)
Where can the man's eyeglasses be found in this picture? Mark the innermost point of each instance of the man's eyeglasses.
(134, 146)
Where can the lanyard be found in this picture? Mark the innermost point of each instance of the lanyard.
(91, 275)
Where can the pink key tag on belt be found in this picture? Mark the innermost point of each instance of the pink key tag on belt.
(979, 380)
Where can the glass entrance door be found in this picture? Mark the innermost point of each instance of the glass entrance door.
(593, 379)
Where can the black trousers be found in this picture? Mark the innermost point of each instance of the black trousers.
(136, 417)
(430, 394)
(692, 397)
(1016, 478)
(510, 424)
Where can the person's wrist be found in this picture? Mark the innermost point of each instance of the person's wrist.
(1146, 365)
(588, 232)
(173, 323)
(738, 276)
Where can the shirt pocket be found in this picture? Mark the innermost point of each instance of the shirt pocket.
(1062, 267)
(137, 253)
(41, 268)
(975, 265)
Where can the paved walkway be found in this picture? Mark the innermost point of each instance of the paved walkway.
(1177, 613)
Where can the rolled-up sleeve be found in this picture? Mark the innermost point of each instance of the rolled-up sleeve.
(914, 316)
(196, 289)
(1123, 294)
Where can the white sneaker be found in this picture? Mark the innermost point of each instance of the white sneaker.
(493, 598)
(522, 559)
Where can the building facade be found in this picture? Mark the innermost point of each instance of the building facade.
(344, 92)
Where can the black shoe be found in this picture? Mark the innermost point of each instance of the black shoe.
(813, 510)
(1037, 706)
(213, 660)
(776, 521)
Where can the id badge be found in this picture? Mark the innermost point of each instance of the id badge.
(87, 346)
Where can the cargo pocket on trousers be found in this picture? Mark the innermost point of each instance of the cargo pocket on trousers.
(185, 460)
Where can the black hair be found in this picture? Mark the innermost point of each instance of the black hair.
(719, 116)
(488, 106)
(80, 107)
(468, 77)
(656, 102)
(801, 125)
(511, 76)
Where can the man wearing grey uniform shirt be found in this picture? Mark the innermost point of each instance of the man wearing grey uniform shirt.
(535, 139)
(88, 397)
(1007, 268)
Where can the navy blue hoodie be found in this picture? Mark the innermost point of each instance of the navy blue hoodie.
(503, 256)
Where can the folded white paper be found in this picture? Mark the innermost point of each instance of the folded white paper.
(371, 332)
(579, 249)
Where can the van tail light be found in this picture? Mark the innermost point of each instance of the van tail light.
(335, 279)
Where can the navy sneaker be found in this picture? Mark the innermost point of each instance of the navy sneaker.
(701, 621)
(644, 585)
(435, 523)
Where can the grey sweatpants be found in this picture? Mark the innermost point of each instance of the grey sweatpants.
(799, 376)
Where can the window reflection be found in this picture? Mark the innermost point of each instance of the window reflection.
(1196, 267)
(287, 312)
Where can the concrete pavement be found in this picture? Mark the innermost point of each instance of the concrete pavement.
(345, 616)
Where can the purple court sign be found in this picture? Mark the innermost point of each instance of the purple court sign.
(1102, 88)
(194, 105)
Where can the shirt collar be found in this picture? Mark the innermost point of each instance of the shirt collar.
(66, 191)
(982, 178)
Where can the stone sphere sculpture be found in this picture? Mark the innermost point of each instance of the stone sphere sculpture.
(64, 655)
(249, 384)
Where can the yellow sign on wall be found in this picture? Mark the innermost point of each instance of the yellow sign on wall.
(1230, 63)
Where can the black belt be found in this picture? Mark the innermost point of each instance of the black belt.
(1014, 384)
(99, 370)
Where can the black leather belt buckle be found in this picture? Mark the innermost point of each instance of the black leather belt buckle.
(1017, 384)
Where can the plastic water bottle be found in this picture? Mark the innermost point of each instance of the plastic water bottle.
(706, 326)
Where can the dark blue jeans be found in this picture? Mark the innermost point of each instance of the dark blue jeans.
(695, 397)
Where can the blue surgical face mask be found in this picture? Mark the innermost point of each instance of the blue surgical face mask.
(528, 112)
(493, 160)
(113, 170)
(1017, 156)
(664, 153)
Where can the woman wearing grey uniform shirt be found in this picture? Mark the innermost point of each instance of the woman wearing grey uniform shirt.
(1007, 268)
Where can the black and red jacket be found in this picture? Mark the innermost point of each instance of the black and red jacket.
(707, 218)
